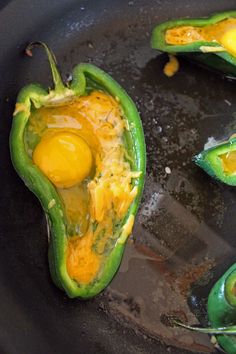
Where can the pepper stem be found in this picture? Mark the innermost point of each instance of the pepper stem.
(231, 330)
(58, 83)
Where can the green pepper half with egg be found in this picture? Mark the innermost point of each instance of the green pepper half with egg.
(209, 41)
(80, 149)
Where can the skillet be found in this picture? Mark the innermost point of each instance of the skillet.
(185, 228)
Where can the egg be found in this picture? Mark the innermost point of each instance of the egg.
(64, 158)
(229, 162)
(228, 41)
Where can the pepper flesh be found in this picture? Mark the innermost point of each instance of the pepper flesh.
(86, 80)
(209, 41)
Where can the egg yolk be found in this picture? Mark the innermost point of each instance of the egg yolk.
(228, 40)
(64, 158)
(229, 162)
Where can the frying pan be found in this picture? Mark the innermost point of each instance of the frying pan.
(184, 233)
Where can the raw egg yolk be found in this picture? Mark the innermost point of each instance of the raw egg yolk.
(228, 40)
(64, 158)
(229, 162)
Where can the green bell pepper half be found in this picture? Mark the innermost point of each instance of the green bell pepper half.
(205, 53)
(210, 161)
(85, 77)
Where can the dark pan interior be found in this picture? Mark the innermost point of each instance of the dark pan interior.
(185, 230)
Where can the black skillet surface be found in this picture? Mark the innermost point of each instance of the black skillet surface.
(185, 228)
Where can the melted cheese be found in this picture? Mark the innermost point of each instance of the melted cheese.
(82, 262)
(172, 66)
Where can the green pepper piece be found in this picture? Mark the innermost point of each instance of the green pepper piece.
(34, 96)
(214, 161)
(207, 53)
(221, 308)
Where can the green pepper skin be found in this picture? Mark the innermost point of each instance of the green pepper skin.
(220, 61)
(222, 308)
(43, 188)
(210, 162)
(213, 63)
